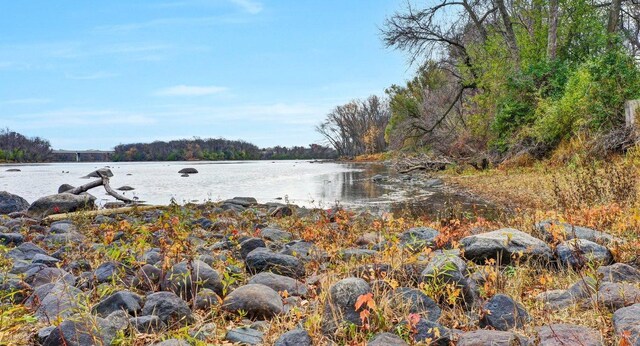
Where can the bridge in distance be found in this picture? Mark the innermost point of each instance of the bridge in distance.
(78, 153)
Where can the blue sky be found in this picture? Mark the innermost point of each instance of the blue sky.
(93, 74)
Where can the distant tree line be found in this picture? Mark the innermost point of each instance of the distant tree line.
(15, 147)
(214, 149)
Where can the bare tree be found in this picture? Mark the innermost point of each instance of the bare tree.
(552, 37)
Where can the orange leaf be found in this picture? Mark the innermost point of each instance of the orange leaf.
(364, 299)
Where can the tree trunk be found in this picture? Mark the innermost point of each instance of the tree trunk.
(552, 38)
(509, 34)
(614, 16)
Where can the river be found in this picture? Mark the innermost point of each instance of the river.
(310, 184)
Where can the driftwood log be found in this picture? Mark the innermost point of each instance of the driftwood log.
(421, 162)
(65, 216)
(104, 175)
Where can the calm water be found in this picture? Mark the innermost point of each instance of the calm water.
(298, 182)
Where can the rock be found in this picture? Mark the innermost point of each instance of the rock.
(245, 336)
(245, 202)
(616, 295)
(554, 230)
(25, 251)
(110, 326)
(386, 339)
(369, 238)
(258, 301)
(60, 203)
(417, 238)
(106, 272)
(173, 342)
(280, 283)
(281, 211)
(626, 322)
(147, 324)
(44, 275)
(568, 334)
(13, 170)
(249, 245)
(415, 301)
(204, 332)
(503, 244)
(560, 299)
(168, 307)
(276, 235)
(340, 305)
(378, 178)
(10, 203)
(426, 330)
(14, 290)
(44, 259)
(296, 337)
(186, 279)
(305, 251)
(503, 313)
(188, 170)
(448, 268)
(121, 300)
(148, 277)
(98, 173)
(575, 253)
(205, 299)
(619, 272)
(356, 254)
(56, 301)
(490, 337)
(125, 188)
(82, 332)
(185, 175)
(43, 334)
(65, 188)
(261, 260)
(8, 239)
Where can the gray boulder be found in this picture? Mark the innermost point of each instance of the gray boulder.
(10, 203)
(8, 239)
(490, 337)
(626, 322)
(340, 305)
(576, 253)
(568, 334)
(25, 251)
(147, 324)
(426, 330)
(248, 245)
(386, 339)
(415, 301)
(503, 313)
(122, 300)
(619, 272)
(245, 336)
(503, 244)
(56, 301)
(258, 301)
(205, 299)
(447, 268)
(98, 173)
(188, 170)
(280, 283)
(296, 337)
(168, 307)
(276, 235)
(80, 332)
(417, 238)
(185, 279)
(60, 203)
(616, 295)
(173, 342)
(552, 230)
(261, 260)
(356, 254)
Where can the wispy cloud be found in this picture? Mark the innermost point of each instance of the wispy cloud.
(79, 117)
(91, 76)
(165, 22)
(190, 90)
(26, 101)
(250, 6)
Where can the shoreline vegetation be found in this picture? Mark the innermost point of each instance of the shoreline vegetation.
(239, 271)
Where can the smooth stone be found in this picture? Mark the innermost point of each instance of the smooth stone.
(415, 301)
(276, 235)
(185, 279)
(341, 300)
(258, 301)
(576, 253)
(626, 322)
(245, 336)
(147, 324)
(10, 203)
(386, 339)
(296, 337)
(60, 203)
(168, 307)
(280, 283)
(262, 260)
(504, 243)
(503, 313)
(568, 334)
(417, 238)
(122, 300)
(619, 272)
(490, 337)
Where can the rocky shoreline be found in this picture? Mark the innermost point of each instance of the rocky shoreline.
(248, 273)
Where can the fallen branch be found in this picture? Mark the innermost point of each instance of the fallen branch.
(104, 181)
(86, 213)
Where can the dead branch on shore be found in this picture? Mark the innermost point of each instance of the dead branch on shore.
(104, 175)
(421, 162)
(64, 216)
